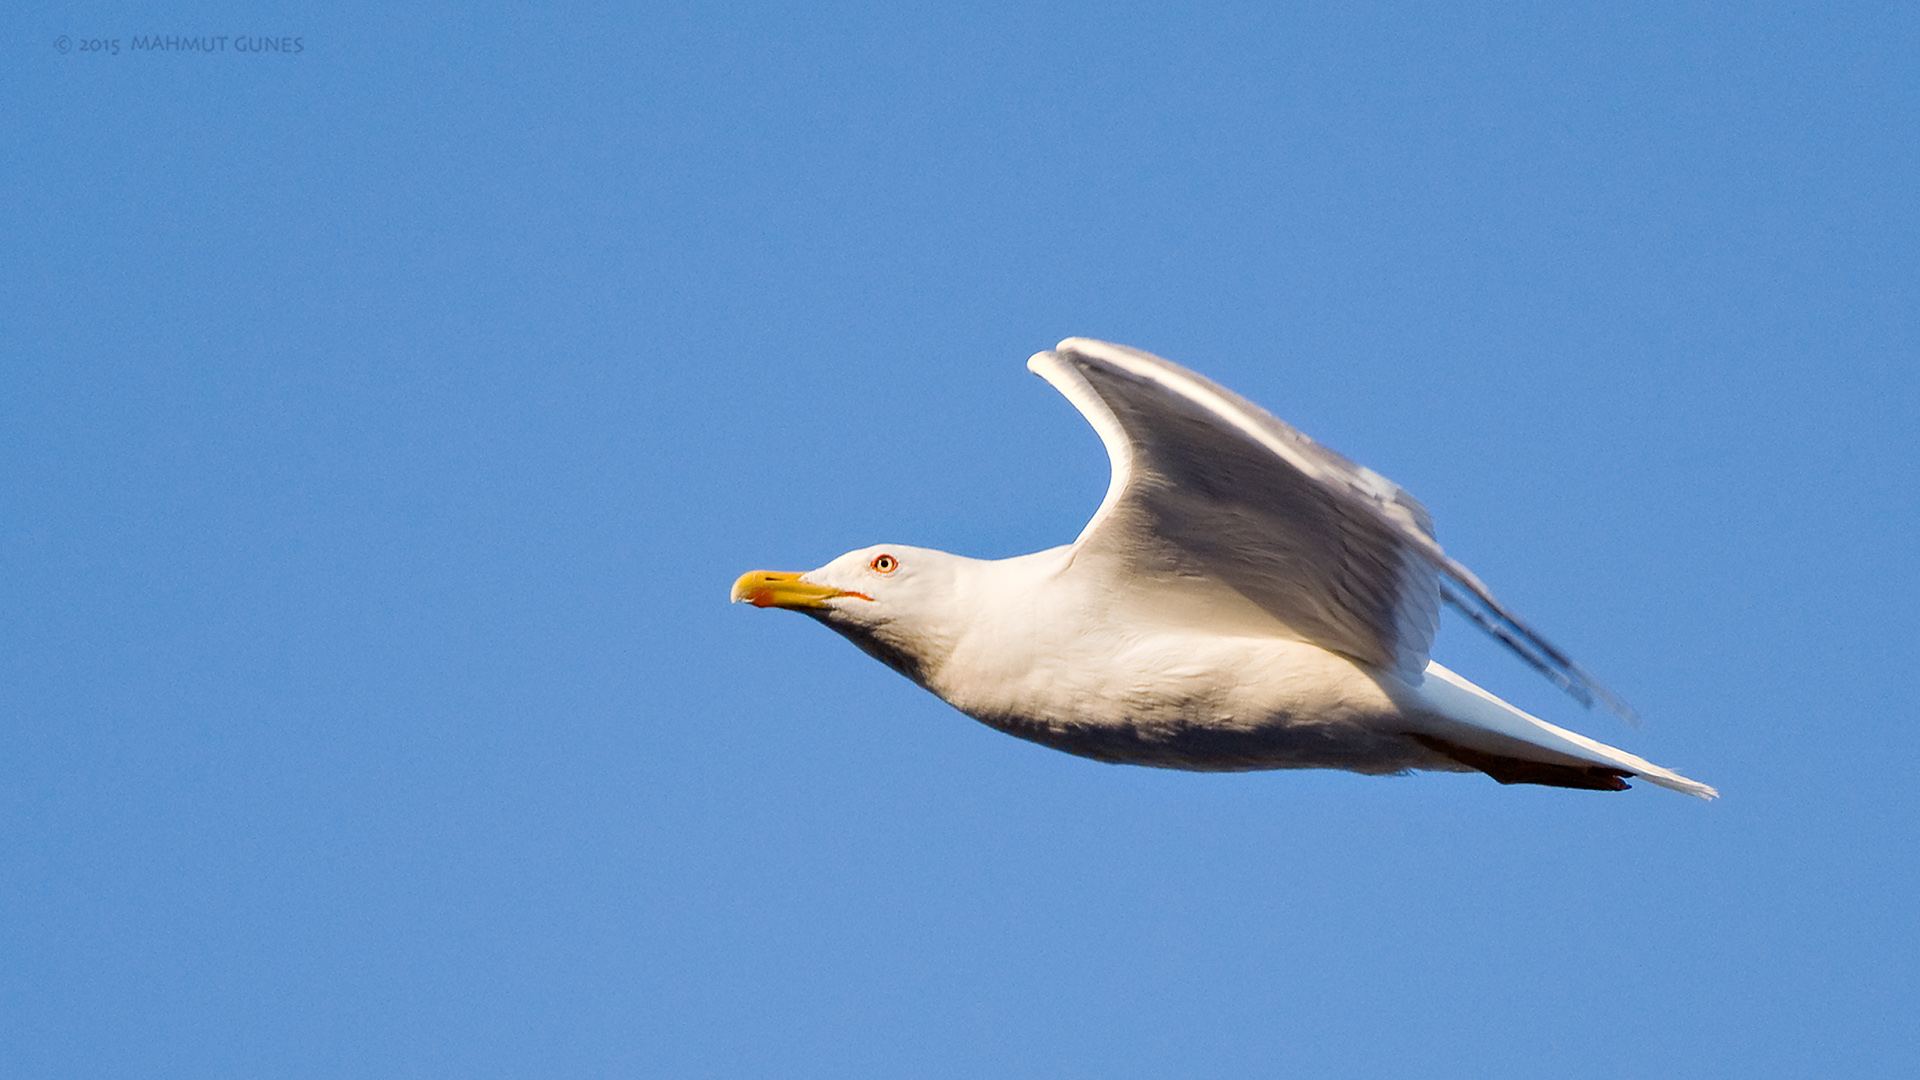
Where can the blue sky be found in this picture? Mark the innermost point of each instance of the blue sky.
(382, 424)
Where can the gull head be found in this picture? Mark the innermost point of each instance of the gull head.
(898, 603)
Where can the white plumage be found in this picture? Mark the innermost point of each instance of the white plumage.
(1244, 598)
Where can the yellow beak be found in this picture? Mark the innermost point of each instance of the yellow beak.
(770, 588)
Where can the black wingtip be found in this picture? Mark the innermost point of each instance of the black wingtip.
(1539, 653)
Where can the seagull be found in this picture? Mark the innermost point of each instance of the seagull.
(1244, 598)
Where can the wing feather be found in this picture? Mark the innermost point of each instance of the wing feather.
(1211, 490)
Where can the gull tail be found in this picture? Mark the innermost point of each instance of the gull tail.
(1466, 724)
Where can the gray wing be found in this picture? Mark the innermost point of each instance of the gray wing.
(1209, 489)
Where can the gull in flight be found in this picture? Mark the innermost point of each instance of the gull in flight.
(1244, 598)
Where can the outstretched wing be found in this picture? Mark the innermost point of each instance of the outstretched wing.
(1210, 490)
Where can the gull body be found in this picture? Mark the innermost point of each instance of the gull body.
(1243, 599)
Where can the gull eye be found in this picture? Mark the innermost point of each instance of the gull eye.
(885, 564)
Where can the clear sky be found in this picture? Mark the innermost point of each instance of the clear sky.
(384, 416)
